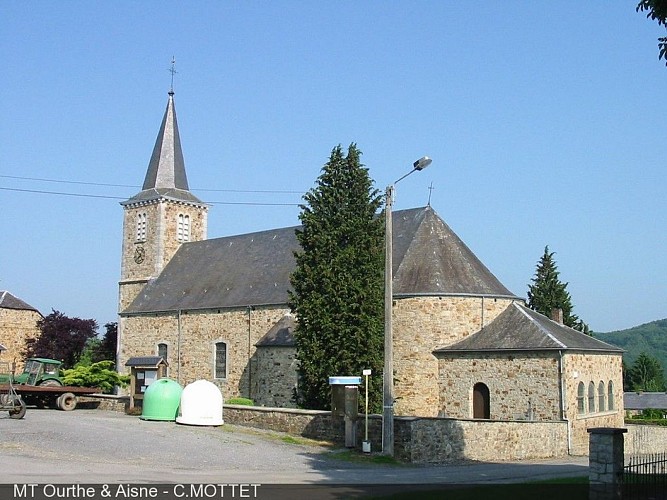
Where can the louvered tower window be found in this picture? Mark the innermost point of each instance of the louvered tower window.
(183, 229)
(141, 227)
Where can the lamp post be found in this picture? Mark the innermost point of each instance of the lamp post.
(388, 374)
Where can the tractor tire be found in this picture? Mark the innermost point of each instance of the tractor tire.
(66, 401)
(19, 410)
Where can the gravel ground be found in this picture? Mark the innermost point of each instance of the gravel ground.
(93, 446)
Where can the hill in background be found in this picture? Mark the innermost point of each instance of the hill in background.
(650, 338)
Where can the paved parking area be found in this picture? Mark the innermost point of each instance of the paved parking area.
(93, 446)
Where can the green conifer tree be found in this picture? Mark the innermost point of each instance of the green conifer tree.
(548, 293)
(338, 282)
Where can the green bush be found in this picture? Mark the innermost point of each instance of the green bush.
(653, 414)
(101, 374)
(240, 401)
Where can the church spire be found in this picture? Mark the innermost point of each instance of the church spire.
(166, 168)
(166, 177)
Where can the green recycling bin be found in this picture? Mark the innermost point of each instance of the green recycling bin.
(161, 400)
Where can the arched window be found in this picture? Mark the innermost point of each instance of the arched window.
(601, 395)
(610, 395)
(581, 402)
(163, 351)
(183, 228)
(141, 227)
(220, 360)
(481, 404)
(591, 397)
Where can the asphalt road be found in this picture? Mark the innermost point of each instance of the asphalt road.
(93, 446)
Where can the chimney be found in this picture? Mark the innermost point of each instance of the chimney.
(557, 315)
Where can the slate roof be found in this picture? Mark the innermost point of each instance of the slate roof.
(255, 268)
(645, 400)
(9, 301)
(429, 258)
(166, 177)
(280, 334)
(146, 361)
(519, 328)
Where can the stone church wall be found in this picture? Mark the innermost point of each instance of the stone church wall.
(16, 326)
(423, 324)
(596, 368)
(419, 440)
(274, 377)
(522, 386)
(191, 337)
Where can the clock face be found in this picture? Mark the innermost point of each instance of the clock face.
(139, 254)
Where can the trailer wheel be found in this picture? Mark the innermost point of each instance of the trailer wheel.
(18, 411)
(66, 401)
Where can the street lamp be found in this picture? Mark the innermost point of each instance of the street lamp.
(388, 374)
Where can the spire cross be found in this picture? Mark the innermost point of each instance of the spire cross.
(172, 70)
(430, 192)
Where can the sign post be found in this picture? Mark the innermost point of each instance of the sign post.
(366, 445)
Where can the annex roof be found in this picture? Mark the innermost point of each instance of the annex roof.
(166, 177)
(9, 301)
(280, 334)
(255, 268)
(519, 328)
(645, 400)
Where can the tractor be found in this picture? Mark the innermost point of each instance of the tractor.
(37, 371)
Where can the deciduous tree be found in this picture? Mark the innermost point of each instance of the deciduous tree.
(657, 11)
(646, 374)
(61, 338)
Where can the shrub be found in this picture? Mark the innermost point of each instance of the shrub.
(101, 374)
(240, 401)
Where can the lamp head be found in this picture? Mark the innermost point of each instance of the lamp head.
(422, 163)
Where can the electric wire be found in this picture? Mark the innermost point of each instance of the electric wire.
(60, 181)
(85, 195)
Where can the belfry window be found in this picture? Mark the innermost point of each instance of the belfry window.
(141, 226)
(183, 228)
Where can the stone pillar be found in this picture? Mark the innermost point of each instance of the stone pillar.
(605, 462)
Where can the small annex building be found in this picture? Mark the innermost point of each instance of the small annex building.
(18, 323)
(465, 347)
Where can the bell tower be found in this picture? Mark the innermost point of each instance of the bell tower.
(162, 216)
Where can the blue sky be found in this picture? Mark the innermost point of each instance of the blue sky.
(545, 122)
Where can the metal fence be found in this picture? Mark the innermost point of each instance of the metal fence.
(645, 476)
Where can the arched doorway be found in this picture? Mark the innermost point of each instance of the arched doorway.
(481, 407)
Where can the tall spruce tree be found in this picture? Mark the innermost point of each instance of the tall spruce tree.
(338, 283)
(548, 293)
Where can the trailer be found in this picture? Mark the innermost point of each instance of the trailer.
(62, 397)
(40, 384)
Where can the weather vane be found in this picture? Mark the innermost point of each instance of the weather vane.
(173, 71)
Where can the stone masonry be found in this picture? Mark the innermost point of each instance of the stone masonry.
(191, 337)
(16, 326)
(422, 324)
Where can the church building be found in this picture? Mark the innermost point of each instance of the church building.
(465, 347)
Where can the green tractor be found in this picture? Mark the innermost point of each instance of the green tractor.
(37, 371)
